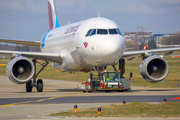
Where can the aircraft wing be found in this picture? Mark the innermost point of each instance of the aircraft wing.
(28, 42)
(165, 51)
(53, 57)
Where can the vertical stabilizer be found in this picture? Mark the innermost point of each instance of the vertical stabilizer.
(53, 21)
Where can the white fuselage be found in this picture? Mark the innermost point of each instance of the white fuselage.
(81, 52)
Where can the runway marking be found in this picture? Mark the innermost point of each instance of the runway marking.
(22, 103)
(40, 100)
(45, 90)
(3, 65)
(26, 102)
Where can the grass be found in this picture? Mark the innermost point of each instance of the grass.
(136, 109)
(170, 81)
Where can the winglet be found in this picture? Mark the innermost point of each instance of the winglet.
(53, 21)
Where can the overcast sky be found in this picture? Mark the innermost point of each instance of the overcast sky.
(28, 19)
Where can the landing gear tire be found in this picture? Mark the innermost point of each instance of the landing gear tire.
(29, 86)
(108, 90)
(121, 90)
(39, 85)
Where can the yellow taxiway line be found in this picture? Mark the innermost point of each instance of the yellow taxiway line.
(22, 103)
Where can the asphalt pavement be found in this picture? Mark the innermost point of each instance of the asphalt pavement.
(61, 96)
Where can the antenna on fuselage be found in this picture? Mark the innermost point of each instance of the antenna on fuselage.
(99, 15)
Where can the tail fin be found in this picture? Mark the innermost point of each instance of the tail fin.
(53, 21)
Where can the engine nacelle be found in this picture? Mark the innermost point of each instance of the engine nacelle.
(154, 69)
(20, 70)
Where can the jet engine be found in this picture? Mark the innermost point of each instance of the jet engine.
(20, 70)
(154, 69)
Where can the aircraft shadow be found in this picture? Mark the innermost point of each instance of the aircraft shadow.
(98, 91)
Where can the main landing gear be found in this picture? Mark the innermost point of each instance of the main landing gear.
(39, 83)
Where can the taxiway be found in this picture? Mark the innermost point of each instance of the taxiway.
(60, 96)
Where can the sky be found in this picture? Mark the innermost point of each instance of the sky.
(28, 19)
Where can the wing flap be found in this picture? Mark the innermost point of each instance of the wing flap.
(28, 42)
(52, 57)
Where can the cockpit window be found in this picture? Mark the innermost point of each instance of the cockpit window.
(93, 32)
(88, 32)
(119, 31)
(102, 31)
(113, 31)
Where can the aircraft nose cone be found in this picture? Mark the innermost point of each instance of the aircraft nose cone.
(113, 46)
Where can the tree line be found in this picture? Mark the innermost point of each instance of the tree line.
(27, 48)
(135, 46)
(22, 48)
(19, 48)
(171, 40)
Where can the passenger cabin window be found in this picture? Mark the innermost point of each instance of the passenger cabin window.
(113, 31)
(102, 31)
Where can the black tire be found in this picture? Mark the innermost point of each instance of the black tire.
(121, 90)
(39, 85)
(108, 90)
(29, 86)
(91, 76)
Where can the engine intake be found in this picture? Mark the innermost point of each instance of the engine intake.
(154, 69)
(20, 70)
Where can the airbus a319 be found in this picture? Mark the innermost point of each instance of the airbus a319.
(91, 44)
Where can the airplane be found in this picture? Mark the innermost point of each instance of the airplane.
(91, 44)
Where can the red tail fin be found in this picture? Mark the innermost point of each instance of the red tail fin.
(53, 21)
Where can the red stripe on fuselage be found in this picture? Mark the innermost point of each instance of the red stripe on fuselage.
(50, 17)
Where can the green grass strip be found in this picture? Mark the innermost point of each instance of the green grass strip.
(136, 109)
